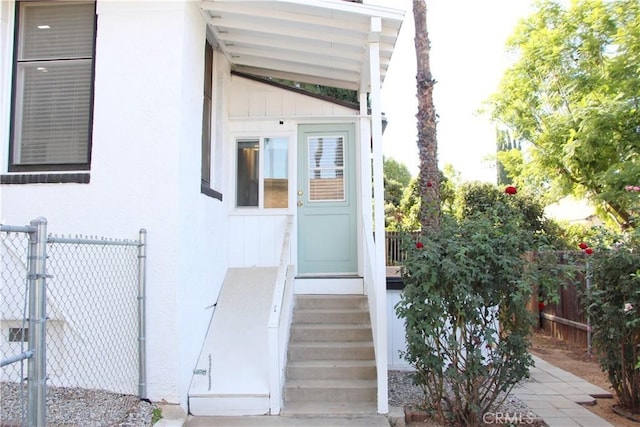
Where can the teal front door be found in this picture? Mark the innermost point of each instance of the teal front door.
(326, 200)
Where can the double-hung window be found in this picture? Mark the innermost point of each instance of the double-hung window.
(262, 173)
(52, 86)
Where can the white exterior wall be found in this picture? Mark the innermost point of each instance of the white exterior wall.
(396, 339)
(145, 172)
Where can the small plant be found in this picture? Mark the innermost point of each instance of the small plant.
(156, 415)
(465, 313)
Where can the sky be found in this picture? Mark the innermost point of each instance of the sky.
(468, 58)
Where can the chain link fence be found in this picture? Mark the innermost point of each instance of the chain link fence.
(94, 309)
(14, 248)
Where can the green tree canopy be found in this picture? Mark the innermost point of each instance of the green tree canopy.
(396, 179)
(573, 97)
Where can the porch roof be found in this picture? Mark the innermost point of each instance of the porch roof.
(313, 41)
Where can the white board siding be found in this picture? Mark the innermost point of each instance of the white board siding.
(395, 333)
(256, 240)
(397, 341)
(255, 99)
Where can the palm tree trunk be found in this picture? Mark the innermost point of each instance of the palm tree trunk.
(429, 177)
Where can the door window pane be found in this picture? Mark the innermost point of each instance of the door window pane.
(326, 169)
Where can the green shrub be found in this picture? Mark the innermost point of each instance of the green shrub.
(613, 305)
(464, 307)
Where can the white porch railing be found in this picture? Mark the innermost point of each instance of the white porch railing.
(279, 322)
(369, 273)
(376, 297)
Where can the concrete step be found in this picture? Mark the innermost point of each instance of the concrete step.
(331, 362)
(331, 351)
(331, 301)
(330, 391)
(329, 285)
(334, 409)
(330, 332)
(331, 369)
(331, 316)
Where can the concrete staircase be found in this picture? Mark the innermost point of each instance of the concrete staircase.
(331, 362)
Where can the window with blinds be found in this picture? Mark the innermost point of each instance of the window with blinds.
(326, 169)
(51, 121)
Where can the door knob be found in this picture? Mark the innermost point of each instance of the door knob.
(300, 203)
(300, 192)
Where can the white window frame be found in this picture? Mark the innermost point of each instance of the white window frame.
(260, 209)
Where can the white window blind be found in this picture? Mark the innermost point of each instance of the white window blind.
(326, 169)
(52, 108)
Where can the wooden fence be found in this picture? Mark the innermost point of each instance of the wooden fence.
(564, 319)
(394, 253)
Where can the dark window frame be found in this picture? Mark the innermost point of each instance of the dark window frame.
(47, 167)
(207, 119)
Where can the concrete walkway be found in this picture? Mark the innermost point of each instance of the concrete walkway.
(558, 396)
(289, 421)
(554, 394)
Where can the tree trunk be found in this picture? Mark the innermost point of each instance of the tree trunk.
(429, 177)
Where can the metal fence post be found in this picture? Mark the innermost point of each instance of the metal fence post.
(142, 348)
(37, 367)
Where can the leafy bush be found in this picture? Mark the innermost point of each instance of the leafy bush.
(475, 198)
(613, 305)
(464, 307)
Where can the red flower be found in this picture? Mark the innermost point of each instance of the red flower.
(583, 246)
(541, 305)
(429, 184)
(510, 189)
(588, 251)
(419, 245)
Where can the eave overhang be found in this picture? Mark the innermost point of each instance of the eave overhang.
(322, 42)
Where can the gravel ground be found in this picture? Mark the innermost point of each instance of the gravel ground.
(75, 407)
(405, 394)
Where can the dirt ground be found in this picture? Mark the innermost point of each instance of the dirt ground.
(578, 362)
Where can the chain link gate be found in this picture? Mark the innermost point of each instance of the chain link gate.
(73, 309)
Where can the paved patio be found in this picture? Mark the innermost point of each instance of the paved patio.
(558, 397)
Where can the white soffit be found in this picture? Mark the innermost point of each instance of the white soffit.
(313, 41)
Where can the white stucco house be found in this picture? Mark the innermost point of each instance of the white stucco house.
(116, 115)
